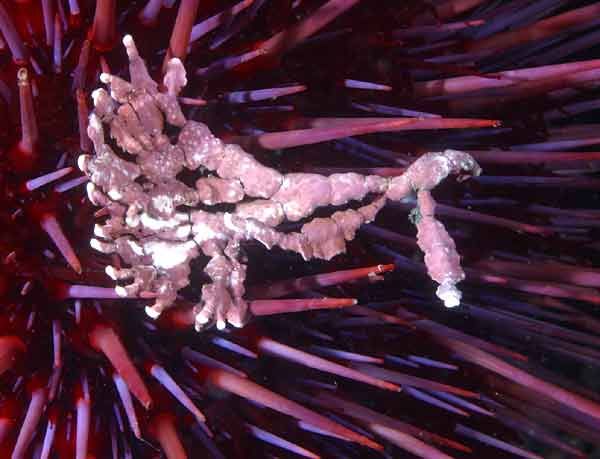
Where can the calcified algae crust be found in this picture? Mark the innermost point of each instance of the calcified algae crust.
(157, 239)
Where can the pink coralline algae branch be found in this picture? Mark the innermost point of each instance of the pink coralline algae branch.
(143, 200)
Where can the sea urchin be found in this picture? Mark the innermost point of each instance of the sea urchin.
(322, 111)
